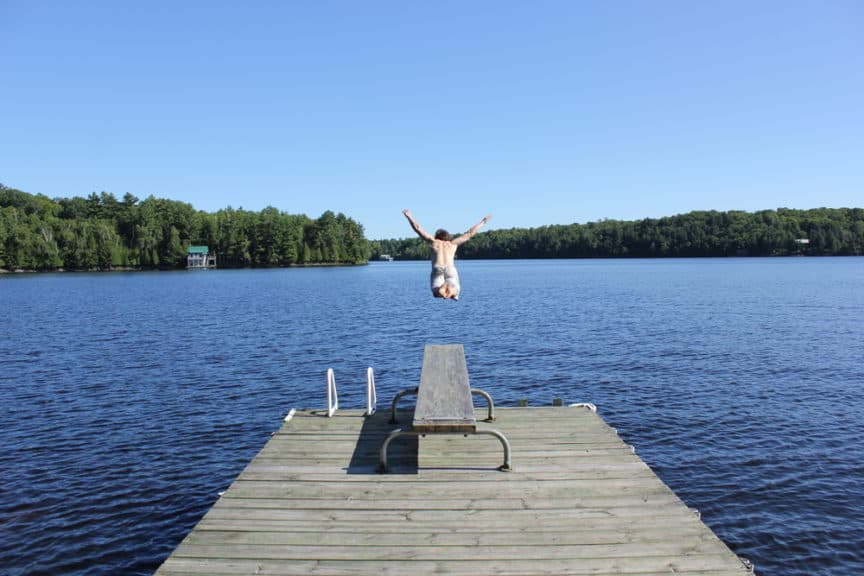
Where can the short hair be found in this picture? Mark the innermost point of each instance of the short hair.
(442, 234)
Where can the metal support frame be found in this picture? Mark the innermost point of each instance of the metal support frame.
(491, 404)
(382, 455)
(475, 391)
(396, 398)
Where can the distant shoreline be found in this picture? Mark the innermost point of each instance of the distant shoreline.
(140, 269)
(348, 265)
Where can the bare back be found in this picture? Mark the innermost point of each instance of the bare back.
(443, 252)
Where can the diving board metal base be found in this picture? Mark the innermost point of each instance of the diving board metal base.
(444, 402)
(382, 456)
(490, 404)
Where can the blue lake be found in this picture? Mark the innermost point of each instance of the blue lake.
(128, 401)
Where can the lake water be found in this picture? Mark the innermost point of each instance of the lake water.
(128, 401)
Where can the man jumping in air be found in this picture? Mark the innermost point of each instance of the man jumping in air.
(445, 279)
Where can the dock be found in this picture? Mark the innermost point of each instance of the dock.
(577, 501)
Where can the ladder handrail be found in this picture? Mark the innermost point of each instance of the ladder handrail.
(332, 396)
(371, 395)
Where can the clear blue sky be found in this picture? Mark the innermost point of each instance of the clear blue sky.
(546, 112)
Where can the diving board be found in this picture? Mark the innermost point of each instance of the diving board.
(444, 403)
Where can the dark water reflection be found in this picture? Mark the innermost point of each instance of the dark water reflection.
(128, 401)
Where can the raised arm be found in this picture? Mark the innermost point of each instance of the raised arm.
(417, 228)
(471, 232)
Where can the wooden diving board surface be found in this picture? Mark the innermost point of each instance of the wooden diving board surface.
(578, 501)
(444, 402)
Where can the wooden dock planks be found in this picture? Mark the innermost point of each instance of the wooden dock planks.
(578, 501)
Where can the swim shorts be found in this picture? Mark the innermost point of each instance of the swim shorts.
(442, 274)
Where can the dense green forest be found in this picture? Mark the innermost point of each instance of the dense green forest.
(102, 232)
(781, 232)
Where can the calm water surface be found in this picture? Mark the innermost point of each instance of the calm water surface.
(128, 401)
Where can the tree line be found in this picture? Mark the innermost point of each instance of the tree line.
(781, 232)
(103, 232)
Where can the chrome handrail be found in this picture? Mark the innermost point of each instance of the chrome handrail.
(371, 395)
(332, 396)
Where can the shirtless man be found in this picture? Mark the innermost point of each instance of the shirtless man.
(445, 279)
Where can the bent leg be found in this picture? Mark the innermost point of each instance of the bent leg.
(451, 280)
(437, 280)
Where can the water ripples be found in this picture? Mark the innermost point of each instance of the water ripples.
(130, 401)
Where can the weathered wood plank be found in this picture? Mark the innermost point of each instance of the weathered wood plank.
(716, 565)
(473, 552)
(611, 535)
(644, 526)
(552, 489)
(443, 518)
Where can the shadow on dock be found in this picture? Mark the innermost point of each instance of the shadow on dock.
(402, 455)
